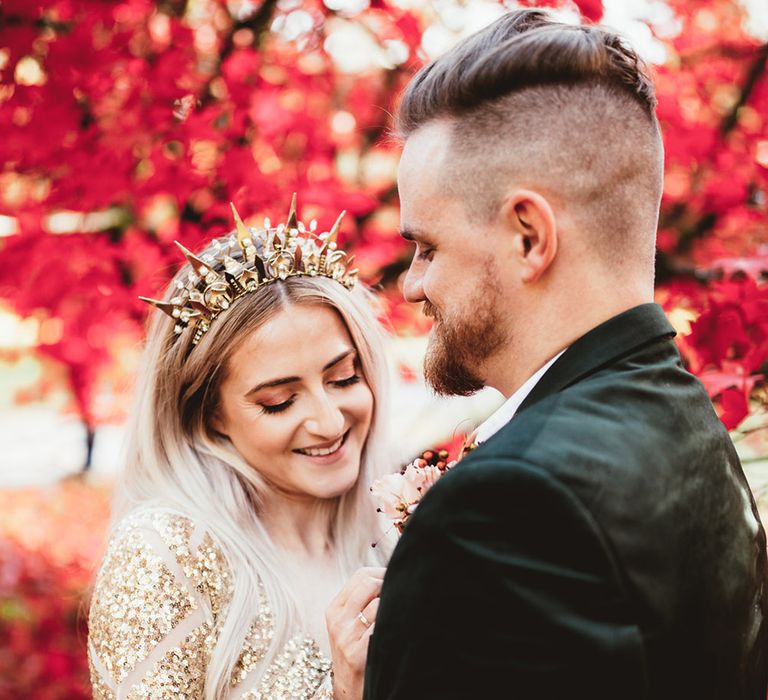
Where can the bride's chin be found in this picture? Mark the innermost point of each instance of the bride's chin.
(342, 484)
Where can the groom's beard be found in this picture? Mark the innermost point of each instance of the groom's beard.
(458, 348)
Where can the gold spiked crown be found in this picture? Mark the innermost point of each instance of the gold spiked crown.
(248, 259)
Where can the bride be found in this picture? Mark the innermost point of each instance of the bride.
(243, 507)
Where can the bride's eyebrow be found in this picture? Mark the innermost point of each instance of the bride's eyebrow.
(290, 380)
(339, 358)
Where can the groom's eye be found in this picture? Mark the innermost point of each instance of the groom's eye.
(425, 253)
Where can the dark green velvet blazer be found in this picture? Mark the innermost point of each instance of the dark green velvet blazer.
(602, 545)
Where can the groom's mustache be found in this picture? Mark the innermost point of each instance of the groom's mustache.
(430, 311)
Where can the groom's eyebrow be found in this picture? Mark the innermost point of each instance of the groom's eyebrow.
(414, 235)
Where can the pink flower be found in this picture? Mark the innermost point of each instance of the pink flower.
(399, 494)
(418, 481)
(388, 490)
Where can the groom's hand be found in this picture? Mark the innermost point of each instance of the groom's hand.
(350, 620)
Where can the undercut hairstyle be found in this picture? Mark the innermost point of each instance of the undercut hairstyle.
(566, 110)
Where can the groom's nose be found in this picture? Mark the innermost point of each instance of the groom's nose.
(413, 289)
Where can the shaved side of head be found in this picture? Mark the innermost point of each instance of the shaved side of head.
(565, 110)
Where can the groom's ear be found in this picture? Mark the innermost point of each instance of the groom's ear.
(530, 219)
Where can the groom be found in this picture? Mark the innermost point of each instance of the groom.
(601, 542)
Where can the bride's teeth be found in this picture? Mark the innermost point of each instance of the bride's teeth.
(321, 452)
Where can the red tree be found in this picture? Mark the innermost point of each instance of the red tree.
(146, 118)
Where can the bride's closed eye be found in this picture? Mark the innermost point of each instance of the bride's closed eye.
(349, 381)
(285, 405)
(346, 373)
(278, 407)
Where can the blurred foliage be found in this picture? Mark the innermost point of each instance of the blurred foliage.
(134, 122)
(50, 544)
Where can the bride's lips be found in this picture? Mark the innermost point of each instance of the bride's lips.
(326, 458)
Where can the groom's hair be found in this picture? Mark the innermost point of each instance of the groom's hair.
(566, 109)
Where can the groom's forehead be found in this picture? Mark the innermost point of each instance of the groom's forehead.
(423, 156)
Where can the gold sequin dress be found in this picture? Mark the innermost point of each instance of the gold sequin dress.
(162, 584)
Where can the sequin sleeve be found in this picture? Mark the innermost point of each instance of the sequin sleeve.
(157, 595)
(325, 691)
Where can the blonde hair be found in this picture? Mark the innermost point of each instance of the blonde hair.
(176, 460)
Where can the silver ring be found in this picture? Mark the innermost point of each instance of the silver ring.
(363, 619)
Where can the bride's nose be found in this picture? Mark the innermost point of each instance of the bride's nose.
(326, 418)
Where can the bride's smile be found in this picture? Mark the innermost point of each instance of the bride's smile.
(327, 450)
(301, 417)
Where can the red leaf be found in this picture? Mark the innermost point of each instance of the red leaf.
(715, 382)
(591, 9)
(734, 408)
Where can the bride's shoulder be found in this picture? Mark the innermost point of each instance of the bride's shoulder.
(156, 598)
(164, 544)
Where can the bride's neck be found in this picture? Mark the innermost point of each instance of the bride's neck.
(299, 527)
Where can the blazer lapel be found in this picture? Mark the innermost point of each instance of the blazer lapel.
(602, 345)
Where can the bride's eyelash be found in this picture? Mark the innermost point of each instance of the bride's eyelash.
(349, 381)
(278, 407)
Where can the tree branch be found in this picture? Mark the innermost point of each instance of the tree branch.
(708, 220)
(754, 74)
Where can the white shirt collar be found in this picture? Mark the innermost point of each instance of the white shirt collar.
(506, 412)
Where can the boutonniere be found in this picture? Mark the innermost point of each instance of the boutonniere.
(398, 494)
